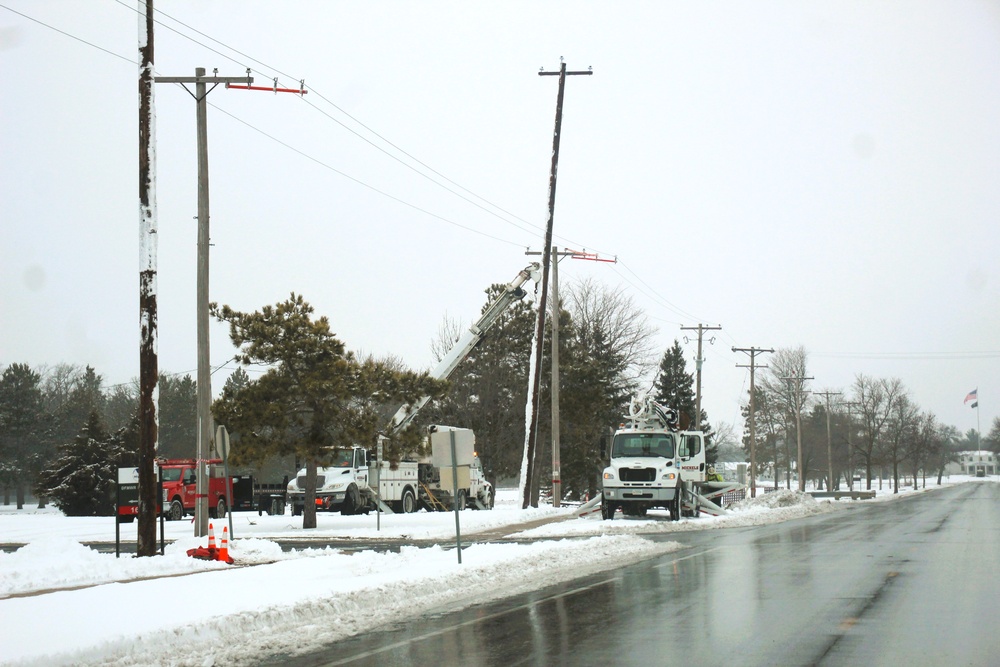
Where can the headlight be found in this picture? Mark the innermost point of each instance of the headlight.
(669, 475)
(609, 475)
(334, 486)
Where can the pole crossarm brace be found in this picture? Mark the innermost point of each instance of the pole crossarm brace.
(213, 80)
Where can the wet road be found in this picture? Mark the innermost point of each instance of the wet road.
(912, 582)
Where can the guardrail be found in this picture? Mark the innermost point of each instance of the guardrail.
(837, 495)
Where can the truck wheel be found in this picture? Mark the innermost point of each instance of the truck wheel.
(277, 507)
(220, 509)
(352, 501)
(460, 499)
(675, 507)
(487, 499)
(176, 511)
(607, 511)
(409, 502)
(297, 509)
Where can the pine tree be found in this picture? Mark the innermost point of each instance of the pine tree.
(178, 417)
(81, 480)
(315, 397)
(22, 418)
(674, 388)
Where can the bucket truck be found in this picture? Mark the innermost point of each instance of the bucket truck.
(654, 464)
(410, 485)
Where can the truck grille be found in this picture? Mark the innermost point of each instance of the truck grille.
(301, 481)
(637, 474)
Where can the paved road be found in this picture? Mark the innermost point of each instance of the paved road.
(911, 582)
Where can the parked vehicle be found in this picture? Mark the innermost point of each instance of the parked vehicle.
(653, 464)
(179, 479)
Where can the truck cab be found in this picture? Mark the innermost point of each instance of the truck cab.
(651, 463)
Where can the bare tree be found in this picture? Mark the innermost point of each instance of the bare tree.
(875, 399)
(787, 389)
(901, 431)
(612, 314)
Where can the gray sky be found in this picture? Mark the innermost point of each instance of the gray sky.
(820, 174)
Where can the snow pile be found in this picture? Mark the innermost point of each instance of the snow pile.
(776, 500)
(291, 606)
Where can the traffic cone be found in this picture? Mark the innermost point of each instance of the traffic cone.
(224, 551)
(211, 537)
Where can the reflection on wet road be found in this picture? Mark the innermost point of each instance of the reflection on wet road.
(910, 582)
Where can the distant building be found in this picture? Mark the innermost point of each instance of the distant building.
(979, 463)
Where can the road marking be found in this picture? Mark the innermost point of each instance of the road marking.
(677, 560)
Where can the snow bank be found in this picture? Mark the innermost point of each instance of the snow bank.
(291, 606)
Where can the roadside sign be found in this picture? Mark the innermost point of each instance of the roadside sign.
(441, 447)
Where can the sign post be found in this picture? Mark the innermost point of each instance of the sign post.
(453, 447)
(222, 444)
(376, 476)
(127, 502)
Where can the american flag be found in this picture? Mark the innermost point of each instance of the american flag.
(972, 395)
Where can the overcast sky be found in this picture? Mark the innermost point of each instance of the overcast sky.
(821, 174)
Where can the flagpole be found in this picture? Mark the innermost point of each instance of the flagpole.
(979, 433)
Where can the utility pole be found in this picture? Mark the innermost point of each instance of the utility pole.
(798, 426)
(850, 444)
(753, 352)
(829, 438)
(148, 365)
(528, 463)
(204, 387)
(701, 329)
(556, 466)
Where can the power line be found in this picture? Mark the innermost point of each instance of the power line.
(362, 183)
(63, 32)
(648, 291)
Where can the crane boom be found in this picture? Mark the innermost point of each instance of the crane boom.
(512, 292)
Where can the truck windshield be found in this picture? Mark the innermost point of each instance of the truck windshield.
(170, 474)
(643, 444)
(342, 458)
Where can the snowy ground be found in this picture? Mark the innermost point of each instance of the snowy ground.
(64, 604)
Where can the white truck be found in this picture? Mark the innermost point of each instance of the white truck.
(410, 484)
(653, 464)
(348, 485)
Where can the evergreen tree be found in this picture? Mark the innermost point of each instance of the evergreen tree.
(594, 393)
(22, 420)
(674, 388)
(178, 417)
(71, 394)
(315, 396)
(81, 479)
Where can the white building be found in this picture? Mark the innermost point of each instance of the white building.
(979, 463)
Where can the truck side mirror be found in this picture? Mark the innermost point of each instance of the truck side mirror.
(604, 447)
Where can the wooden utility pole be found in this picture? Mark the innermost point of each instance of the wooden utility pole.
(701, 329)
(829, 437)
(850, 444)
(798, 426)
(528, 464)
(556, 445)
(753, 352)
(148, 371)
(204, 387)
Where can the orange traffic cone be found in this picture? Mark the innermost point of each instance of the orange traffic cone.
(224, 551)
(211, 537)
